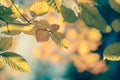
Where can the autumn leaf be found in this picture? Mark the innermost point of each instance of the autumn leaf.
(112, 52)
(42, 24)
(42, 35)
(5, 43)
(54, 27)
(15, 61)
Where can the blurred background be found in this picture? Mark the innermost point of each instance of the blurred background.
(83, 60)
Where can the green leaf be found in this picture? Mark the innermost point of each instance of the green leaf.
(114, 5)
(6, 14)
(54, 4)
(112, 52)
(15, 61)
(68, 15)
(5, 43)
(93, 18)
(58, 38)
(116, 25)
(16, 29)
(39, 8)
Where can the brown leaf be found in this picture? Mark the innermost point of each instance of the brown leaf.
(42, 35)
(54, 27)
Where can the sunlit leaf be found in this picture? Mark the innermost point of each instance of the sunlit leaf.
(1, 63)
(6, 14)
(55, 4)
(17, 29)
(68, 15)
(15, 11)
(39, 8)
(115, 4)
(93, 18)
(42, 24)
(112, 52)
(54, 27)
(42, 35)
(116, 25)
(5, 43)
(59, 39)
(6, 3)
(15, 61)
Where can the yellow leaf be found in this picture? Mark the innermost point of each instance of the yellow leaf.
(56, 4)
(17, 29)
(15, 61)
(15, 9)
(6, 3)
(39, 8)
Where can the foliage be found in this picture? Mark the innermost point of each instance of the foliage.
(14, 21)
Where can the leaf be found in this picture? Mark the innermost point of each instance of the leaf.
(6, 3)
(58, 38)
(54, 4)
(1, 64)
(39, 8)
(114, 5)
(54, 27)
(93, 18)
(42, 35)
(16, 29)
(6, 14)
(112, 52)
(68, 15)
(42, 24)
(15, 11)
(5, 43)
(15, 61)
(116, 25)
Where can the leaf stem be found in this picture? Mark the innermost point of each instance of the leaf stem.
(20, 12)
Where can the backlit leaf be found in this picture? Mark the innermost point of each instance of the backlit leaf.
(6, 14)
(116, 25)
(54, 27)
(115, 5)
(42, 35)
(93, 18)
(1, 64)
(112, 52)
(15, 11)
(68, 15)
(59, 39)
(15, 61)
(17, 29)
(6, 3)
(39, 8)
(55, 4)
(5, 43)
(42, 24)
